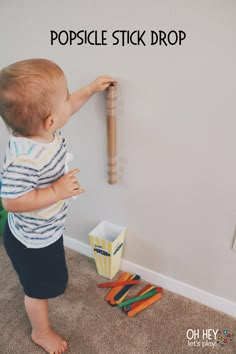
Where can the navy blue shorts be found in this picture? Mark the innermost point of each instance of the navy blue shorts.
(42, 271)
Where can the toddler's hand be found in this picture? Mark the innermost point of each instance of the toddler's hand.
(101, 83)
(67, 186)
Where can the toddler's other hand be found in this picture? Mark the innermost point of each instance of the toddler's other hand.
(101, 83)
(67, 186)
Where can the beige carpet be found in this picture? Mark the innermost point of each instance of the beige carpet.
(93, 327)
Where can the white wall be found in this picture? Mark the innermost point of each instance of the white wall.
(176, 128)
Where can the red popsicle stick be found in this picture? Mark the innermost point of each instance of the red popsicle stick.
(118, 283)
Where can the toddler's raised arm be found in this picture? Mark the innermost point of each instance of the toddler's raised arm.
(78, 98)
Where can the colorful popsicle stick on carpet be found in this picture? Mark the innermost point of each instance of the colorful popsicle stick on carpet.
(125, 276)
(144, 305)
(143, 291)
(118, 283)
(118, 298)
(135, 304)
(135, 299)
(120, 289)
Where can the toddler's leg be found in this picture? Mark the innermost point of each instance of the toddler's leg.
(42, 333)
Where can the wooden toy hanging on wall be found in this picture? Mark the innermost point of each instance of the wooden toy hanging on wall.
(111, 133)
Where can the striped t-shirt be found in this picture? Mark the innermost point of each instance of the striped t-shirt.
(28, 165)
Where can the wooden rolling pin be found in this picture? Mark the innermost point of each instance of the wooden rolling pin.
(111, 133)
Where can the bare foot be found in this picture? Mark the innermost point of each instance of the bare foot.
(51, 342)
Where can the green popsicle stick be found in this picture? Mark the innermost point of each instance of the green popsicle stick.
(138, 298)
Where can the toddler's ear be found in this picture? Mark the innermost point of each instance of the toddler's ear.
(49, 122)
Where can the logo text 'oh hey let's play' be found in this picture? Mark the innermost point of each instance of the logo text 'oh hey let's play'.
(208, 337)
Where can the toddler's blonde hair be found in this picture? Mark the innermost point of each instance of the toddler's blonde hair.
(26, 93)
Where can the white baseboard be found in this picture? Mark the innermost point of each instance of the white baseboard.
(178, 287)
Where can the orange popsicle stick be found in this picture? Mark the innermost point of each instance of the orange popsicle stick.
(144, 305)
(125, 276)
(117, 283)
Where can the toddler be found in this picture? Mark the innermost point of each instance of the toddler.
(35, 104)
